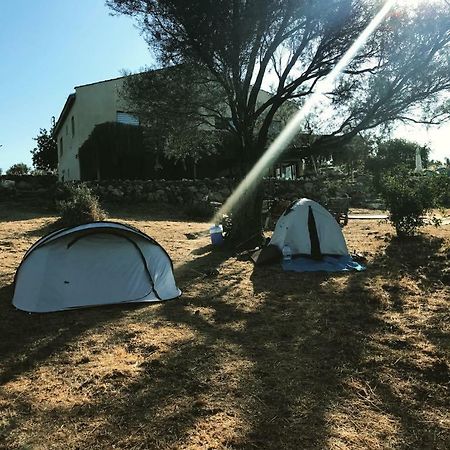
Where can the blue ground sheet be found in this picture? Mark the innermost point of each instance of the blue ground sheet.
(326, 264)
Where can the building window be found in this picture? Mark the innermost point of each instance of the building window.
(61, 146)
(72, 121)
(67, 130)
(127, 118)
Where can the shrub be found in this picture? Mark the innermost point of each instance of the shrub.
(408, 198)
(441, 185)
(80, 206)
(200, 210)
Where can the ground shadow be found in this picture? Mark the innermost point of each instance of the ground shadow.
(45, 229)
(11, 211)
(292, 353)
(273, 368)
(148, 212)
(27, 340)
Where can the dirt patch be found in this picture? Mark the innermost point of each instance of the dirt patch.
(245, 359)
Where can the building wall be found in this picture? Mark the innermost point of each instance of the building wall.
(97, 103)
(94, 103)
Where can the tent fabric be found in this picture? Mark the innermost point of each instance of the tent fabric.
(326, 264)
(93, 264)
(296, 229)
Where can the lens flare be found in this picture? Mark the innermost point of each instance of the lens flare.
(254, 177)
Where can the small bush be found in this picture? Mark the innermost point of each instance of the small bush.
(408, 198)
(201, 210)
(80, 206)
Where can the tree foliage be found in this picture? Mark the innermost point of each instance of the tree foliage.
(404, 65)
(18, 169)
(390, 154)
(113, 151)
(173, 106)
(45, 154)
(399, 75)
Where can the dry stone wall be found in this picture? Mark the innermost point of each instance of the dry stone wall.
(186, 192)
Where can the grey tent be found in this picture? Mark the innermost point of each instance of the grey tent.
(97, 263)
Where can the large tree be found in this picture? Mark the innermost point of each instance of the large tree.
(389, 155)
(399, 75)
(45, 154)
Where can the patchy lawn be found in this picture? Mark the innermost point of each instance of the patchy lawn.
(245, 359)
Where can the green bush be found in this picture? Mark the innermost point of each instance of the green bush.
(408, 198)
(441, 185)
(200, 210)
(80, 206)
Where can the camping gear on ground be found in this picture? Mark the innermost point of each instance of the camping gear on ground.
(343, 263)
(338, 207)
(98, 263)
(264, 256)
(216, 234)
(307, 229)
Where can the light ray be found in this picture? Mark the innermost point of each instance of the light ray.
(255, 175)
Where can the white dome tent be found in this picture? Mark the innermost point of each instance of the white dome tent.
(98, 263)
(307, 228)
(311, 237)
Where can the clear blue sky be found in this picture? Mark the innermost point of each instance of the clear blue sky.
(47, 47)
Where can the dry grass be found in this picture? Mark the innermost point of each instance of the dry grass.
(245, 359)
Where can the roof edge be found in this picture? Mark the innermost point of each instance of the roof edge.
(64, 113)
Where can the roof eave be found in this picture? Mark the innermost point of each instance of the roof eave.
(67, 106)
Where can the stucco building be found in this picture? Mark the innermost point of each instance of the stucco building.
(96, 103)
(90, 105)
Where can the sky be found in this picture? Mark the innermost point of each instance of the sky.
(48, 47)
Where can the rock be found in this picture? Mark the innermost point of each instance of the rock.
(308, 187)
(9, 185)
(117, 193)
(24, 186)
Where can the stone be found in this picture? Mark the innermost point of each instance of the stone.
(24, 186)
(308, 187)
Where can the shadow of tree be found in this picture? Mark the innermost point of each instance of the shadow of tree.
(273, 370)
(11, 211)
(27, 340)
(147, 212)
(45, 229)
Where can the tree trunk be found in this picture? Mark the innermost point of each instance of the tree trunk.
(246, 230)
(246, 216)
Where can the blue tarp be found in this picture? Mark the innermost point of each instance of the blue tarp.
(326, 264)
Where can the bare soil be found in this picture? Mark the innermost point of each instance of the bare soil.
(247, 358)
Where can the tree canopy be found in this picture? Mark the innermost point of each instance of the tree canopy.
(45, 154)
(174, 105)
(400, 74)
(18, 169)
(394, 154)
(402, 69)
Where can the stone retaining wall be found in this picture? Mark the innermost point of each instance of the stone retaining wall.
(185, 192)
